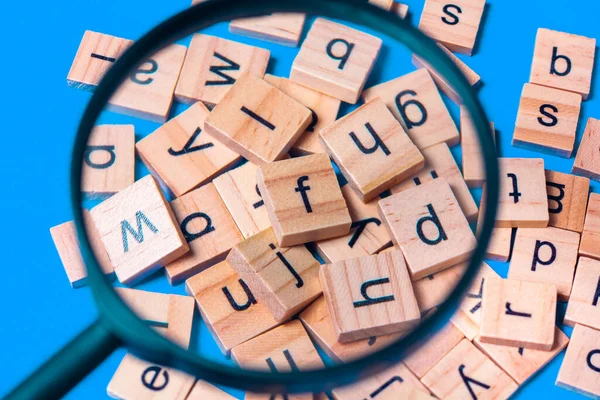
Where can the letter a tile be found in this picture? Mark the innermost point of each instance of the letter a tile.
(567, 200)
(583, 305)
(581, 365)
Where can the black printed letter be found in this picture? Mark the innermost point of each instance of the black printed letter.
(360, 227)
(378, 142)
(148, 71)
(344, 57)
(218, 70)
(139, 234)
(509, 311)
(302, 190)
(368, 300)
(87, 156)
(235, 304)
(515, 184)
(589, 360)
(188, 148)
(455, 20)
(555, 57)
(402, 109)
(150, 375)
(543, 110)
(536, 254)
(436, 221)
(468, 382)
(561, 194)
(299, 281)
(189, 237)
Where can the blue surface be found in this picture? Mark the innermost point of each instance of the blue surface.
(40, 311)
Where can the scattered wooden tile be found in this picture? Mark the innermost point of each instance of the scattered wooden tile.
(108, 160)
(521, 364)
(284, 279)
(453, 24)
(465, 372)
(590, 237)
(304, 200)
(473, 167)
(563, 61)
(583, 304)
(439, 162)
(517, 313)
(208, 228)
(212, 65)
(579, 370)
(203, 390)
(282, 28)
(228, 306)
(547, 120)
(416, 102)
(499, 246)
(567, 200)
(587, 162)
(399, 9)
(429, 227)
(432, 290)
(523, 201)
(182, 145)
(324, 110)
(369, 296)
(335, 59)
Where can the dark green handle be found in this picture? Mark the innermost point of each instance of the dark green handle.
(69, 366)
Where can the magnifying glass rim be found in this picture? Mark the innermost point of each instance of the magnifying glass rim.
(144, 342)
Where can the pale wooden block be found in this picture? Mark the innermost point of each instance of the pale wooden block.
(139, 230)
(567, 200)
(590, 237)
(416, 102)
(439, 162)
(563, 61)
(304, 200)
(547, 120)
(519, 363)
(587, 162)
(324, 110)
(240, 193)
(579, 370)
(473, 167)
(583, 303)
(454, 24)
(257, 120)
(182, 145)
(208, 228)
(545, 255)
(465, 372)
(399, 9)
(371, 149)
(519, 314)
(466, 325)
(367, 236)
(284, 279)
(68, 247)
(429, 227)
(336, 60)
(205, 391)
(369, 296)
(282, 28)
(108, 160)
(472, 77)
(499, 246)
(523, 201)
(212, 65)
(432, 290)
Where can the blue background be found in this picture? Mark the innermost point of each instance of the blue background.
(40, 312)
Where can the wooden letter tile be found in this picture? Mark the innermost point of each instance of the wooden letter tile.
(108, 161)
(587, 160)
(336, 60)
(372, 150)
(579, 370)
(369, 296)
(280, 28)
(547, 120)
(203, 390)
(583, 304)
(257, 120)
(432, 290)
(466, 373)
(416, 102)
(567, 200)
(499, 246)
(139, 230)
(454, 23)
(284, 279)
(212, 65)
(473, 167)
(182, 145)
(208, 228)
(304, 200)
(590, 237)
(429, 227)
(563, 61)
(519, 314)
(399, 9)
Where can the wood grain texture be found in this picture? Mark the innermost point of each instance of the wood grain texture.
(396, 8)
(473, 167)
(281, 28)
(587, 160)
(432, 290)
(500, 244)
(579, 369)
(583, 304)
(590, 237)
(203, 390)
(567, 200)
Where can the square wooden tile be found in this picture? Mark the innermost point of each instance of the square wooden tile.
(208, 228)
(519, 314)
(453, 24)
(399, 9)
(335, 59)
(282, 28)
(371, 149)
(523, 201)
(428, 225)
(369, 296)
(212, 65)
(439, 162)
(499, 246)
(547, 120)
(567, 200)
(257, 120)
(587, 162)
(432, 290)
(138, 230)
(304, 200)
(416, 102)
(284, 279)
(473, 167)
(182, 145)
(583, 305)
(579, 370)
(324, 110)
(590, 237)
(563, 61)
(545, 255)
(108, 160)
(203, 390)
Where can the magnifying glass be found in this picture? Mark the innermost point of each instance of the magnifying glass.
(143, 327)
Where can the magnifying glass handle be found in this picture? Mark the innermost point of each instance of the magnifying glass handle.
(69, 366)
